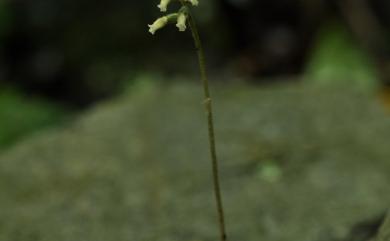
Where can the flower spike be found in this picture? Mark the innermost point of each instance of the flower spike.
(180, 17)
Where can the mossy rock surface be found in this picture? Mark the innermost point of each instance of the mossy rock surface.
(297, 164)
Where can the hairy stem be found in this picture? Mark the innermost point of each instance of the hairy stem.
(210, 123)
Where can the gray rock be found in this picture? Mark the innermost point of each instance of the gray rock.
(137, 168)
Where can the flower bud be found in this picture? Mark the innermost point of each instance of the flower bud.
(181, 22)
(158, 24)
(163, 5)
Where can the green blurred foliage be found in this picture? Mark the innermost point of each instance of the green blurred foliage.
(21, 116)
(337, 60)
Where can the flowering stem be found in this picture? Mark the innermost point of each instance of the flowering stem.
(210, 123)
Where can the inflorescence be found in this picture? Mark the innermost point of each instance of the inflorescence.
(180, 17)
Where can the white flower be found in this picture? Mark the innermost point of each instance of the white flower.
(181, 22)
(158, 24)
(193, 2)
(163, 5)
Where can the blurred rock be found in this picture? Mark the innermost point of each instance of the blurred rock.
(137, 168)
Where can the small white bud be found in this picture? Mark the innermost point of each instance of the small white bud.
(158, 24)
(181, 22)
(163, 5)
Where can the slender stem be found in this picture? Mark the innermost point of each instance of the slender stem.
(210, 123)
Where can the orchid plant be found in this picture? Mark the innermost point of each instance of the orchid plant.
(182, 18)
